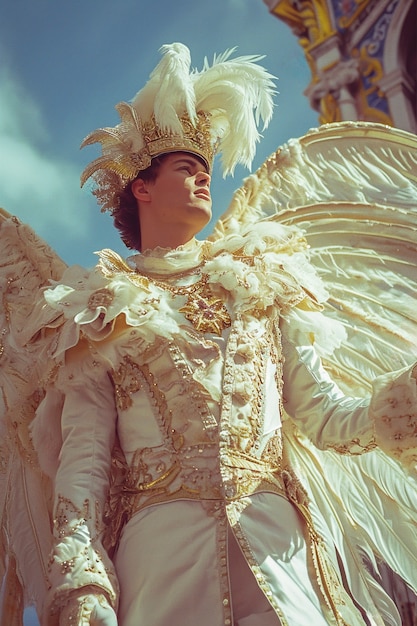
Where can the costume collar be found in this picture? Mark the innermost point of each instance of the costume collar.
(166, 261)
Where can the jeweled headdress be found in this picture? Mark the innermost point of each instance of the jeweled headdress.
(215, 110)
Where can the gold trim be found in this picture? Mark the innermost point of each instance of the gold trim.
(205, 311)
(311, 21)
(346, 22)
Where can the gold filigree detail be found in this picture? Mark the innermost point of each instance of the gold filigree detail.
(196, 138)
(68, 517)
(354, 447)
(115, 169)
(126, 380)
(102, 297)
(206, 312)
(164, 414)
(111, 264)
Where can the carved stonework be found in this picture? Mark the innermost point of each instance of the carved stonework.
(308, 19)
(332, 80)
(362, 55)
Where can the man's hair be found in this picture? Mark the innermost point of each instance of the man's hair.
(126, 215)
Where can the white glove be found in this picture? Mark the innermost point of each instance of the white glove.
(88, 610)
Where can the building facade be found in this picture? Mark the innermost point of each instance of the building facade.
(362, 55)
(363, 60)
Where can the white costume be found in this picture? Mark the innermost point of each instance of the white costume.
(198, 417)
(172, 418)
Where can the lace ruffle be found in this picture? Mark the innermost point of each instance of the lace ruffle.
(251, 273)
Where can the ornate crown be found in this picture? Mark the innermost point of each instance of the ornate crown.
(195, 138)
(215, 110)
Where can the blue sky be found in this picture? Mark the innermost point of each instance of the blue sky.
(63, 67)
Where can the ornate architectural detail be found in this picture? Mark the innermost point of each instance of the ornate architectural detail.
(309, 20)
(353, 43)
(350, 13)
(331, 81)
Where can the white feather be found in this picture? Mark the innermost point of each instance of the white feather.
(239, 94)
(169, 92)
(236, 93)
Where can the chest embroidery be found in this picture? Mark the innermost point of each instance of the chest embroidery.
(205, 311)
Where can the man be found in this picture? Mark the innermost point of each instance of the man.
(175, 498)
(176, 205)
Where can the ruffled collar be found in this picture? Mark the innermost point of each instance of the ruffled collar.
(169, 261)
(253, 274)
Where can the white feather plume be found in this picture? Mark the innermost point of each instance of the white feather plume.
(239, 94)
(169, 92)
(235, 95)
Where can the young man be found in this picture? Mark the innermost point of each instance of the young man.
(175, 206)
(175, 501)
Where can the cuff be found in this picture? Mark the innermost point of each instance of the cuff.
(394, 412)
(75, 563)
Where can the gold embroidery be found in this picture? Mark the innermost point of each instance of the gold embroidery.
(354, 447)
(126, 382)
(205, 311)
(293, 487)
(163, 414)
(243, 401)
(112, 263)
(328, 581)
(195, 401)
(102, 297)
(68, 517)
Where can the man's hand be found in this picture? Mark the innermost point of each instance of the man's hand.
(88, 610)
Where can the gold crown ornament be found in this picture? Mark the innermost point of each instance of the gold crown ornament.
(215, 110)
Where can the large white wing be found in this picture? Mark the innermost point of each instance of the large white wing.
(27, 264)
(352, 188)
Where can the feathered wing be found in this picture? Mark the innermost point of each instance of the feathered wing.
(352, 189)
(27, 330)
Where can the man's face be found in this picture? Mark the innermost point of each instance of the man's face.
(180, 194)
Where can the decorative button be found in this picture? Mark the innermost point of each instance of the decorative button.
(229, 490)
(100, 298)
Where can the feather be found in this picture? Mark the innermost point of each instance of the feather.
(234, 94)
(351, 188)
(28, 264)
(238, 93)
(169, 92)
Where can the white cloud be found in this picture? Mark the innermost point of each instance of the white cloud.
(34, 184)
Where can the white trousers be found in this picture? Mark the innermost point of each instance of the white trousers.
(169, 565)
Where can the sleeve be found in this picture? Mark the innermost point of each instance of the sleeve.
(332, 420)
(319, 408)
(78, 560)
(394, 410)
